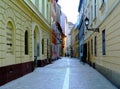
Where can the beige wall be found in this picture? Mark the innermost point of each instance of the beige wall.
(111, 25)
(10, 13)
(108, 18)
(22, 18)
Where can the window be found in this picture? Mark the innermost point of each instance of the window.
(26, 42)
(91, 14)
(103, 43)
(37, 4)
(95, 45)
(95, 8)
(10, 38)
(41, 6)
(42, 46)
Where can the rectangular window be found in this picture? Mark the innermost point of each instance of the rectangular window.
(37, 4)
(95, 8)
(91, 20)
(95, 46)
(103, 43)
(40, 6)
(26, 42)
(43, 7)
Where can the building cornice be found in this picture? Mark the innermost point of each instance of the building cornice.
(24, 5)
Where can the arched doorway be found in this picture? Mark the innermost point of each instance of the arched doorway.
(36, 45)
(10, 42)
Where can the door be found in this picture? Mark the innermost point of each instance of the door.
(85, 51)
(89, 52)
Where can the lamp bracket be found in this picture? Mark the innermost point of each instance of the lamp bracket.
(93, 29)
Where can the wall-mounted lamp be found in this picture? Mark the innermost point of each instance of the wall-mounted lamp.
(90, 29)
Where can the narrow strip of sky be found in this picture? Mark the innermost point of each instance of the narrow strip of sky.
(70, 8)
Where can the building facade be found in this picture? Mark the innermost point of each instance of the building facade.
(64, 26)
(74, 41)
(54, 30)
(25, 35)
(103, 46)
(68, 39)
(57, 33)
(81, 30)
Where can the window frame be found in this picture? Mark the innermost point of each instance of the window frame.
(104, 42)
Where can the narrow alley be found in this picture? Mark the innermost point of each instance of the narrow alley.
(65, 73)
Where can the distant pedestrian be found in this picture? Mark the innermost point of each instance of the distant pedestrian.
(83, 60)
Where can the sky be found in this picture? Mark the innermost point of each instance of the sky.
(70, 8)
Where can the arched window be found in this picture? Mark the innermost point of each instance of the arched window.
(10, 38)
(42, 46)
(26, 42)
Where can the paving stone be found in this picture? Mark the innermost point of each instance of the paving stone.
(65, 73)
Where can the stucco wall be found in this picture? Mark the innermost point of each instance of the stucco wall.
(22, 19)
(21, 22)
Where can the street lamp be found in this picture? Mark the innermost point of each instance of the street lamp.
(90, 29)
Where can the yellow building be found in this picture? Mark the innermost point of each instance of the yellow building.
(74, 42)
(103, 50)
(24, 35)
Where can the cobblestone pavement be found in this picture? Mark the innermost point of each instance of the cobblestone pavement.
(65, 73)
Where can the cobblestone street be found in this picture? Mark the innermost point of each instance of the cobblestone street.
(65, 73)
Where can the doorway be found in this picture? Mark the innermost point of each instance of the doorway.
(85, 52)
(36, 46)
(88, 52)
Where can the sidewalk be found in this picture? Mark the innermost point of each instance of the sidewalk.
(65, 73)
